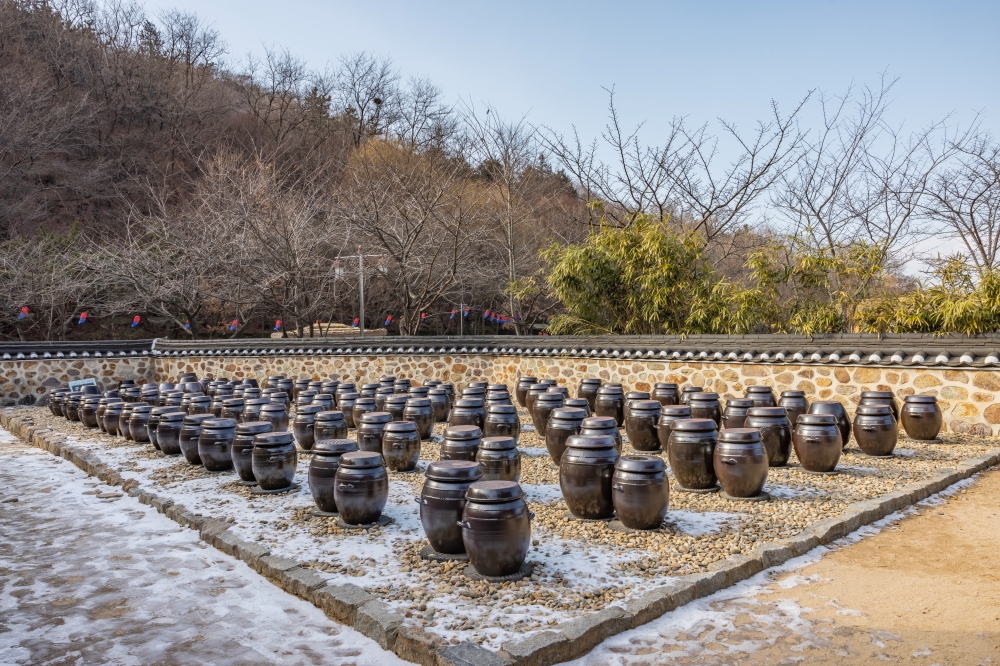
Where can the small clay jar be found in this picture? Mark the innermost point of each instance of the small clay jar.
(200, 404)
(641, 424)
(272, 381)
(172, 398)
(395, 404)
(168, 431)
(55, 400)
(499, 458)
(361, 407)
(381, 394)
(881, 398)
(370, 431)
(795, 403)
(102, 405)
(298, 386)
(497, 389)
(418, 391)
(502, 421)
(610, 401)
(402, 385)
(498, 398)
(474, 392)
(241, 450)
(88, 410)
(274, 460)
(250, 393)
(836, 410)
(305, 397)
(817, 442)
(71, 408)
(640, 491)
(368, 390)
(285, 386)
(666, 393)
(277, 414)
(762, 396)
(578, 403)
(401, 446)
(323, 471)
(315, 385)
(496, 527)
(690, 450)
(440, 404)
(442, 501)
(602, 425)
(329, 424)
(343, 388)
(468, 411)
(232, 408)
(741, 461)
(450, 390)
(585, 472)
(706, 406)
(461, 443)
(479, 384)
(875, 429)
(433, 383)
(534, 391)
(346, 403)
(123, 419)
(542, 407)
(921, 417)
(138, 422)
(324, 401)
(688, 390)
(587, 390)
(419, 411)
(669, 414)
(775, 433)
(330, 387)
(130, 393)
(735, 413)
(153, 424)
(215, 444)
(564, 422)
(303, 426)
(634, 396)
(111, 417)
(362, 487)
(190, 433)
(251, 409)
(387, 381)
(280, 398)
(217, 402)
(521, 388)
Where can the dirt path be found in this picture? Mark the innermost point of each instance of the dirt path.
(925, 590)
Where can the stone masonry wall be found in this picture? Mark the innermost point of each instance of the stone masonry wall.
(27, 382)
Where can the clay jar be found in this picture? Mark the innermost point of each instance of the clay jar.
(521, 388)
(330, 387)
(168, 432)
(401, 385)
(200, 404)
(172, 398)
(691, 451)
(323, 471)
(762, 396)
(496, 527)
(795, 403)
(564, 422)
(666, 393)
(688, 390)
(499, 459)
(298, 386)
(329, 425)
(578, 403)
(735, 414)
(498, 398)
(277, 414)
(274, 460)
(634, 396)
(190, 434)
(610, 401)
(442, 502)
(836, 410)
(543, 406)
(468, 411)
(303, 426)
(921, 417)
(588, 390)
(875, 429)
(419, 411)
(818, 442)
(881, 398)
(775, 433)
(102, 405)
(370, 431)
(361, 407)
(368, 390)
(461, 443)
(440, 404)
(153, 423)
(285, 386)
(251, 410)
(741, 461)
(241, 450)
(341, 390)
(387, 381)
(138, 422)
(669, 414)
(71, 407)
(362, 487)
(324, 401)
(88, 410)
(502, 421)
(215, 444)
(533, 392)
(112, 417)
(401, 446)
(381, 394)
(395, 404)
(232, 408)
(602, 425)
(585, 474)
(55, 400)
(640, 491)
(130, 393)
(641, 423)
(706, 406)
(123, 418)
(305, 397)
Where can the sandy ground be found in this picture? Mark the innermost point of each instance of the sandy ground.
(923, 590)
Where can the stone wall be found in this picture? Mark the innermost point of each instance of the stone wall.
(27, 381)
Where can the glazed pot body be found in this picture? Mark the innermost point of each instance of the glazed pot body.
(669, 414)
(631, 397)
(602, 425)
(274, 460)
(346, 405)
(251, 410)
(55, 400)
(543, 406)
(329, 425)
(370, 431)
(112, 417)
(188, 439)
(521, 388)
(735, 414)
(401, 446)
(232, 408)
(817, 445)
(666, 393)
(88, 412)
(687, 391)
(502, 421)
(138, 424)
(496, 535)
(563, 424)
(215, 445)
(468, 411)
(881, 398)
(200, 404)
(324, 401)
(440, 404)
(533, 392)
(461, 443)
(361, 407)
(740, 462)
(123, 420)
(499, 460)
(419, 411)
(610, 401)
(585, 475)
(839, 413)
(277, 414)
(303, 427)
(875, 429)
(361, 494)
(380, 395)
(691, 453)
(395, 404)
(442, 502)
(168, 432)
(323, 473)
(762, 396)
(706, 406)
(921, 418)
(588, 390)
(241, 450)
(640, 497)
(641, 423)
(795, 403)
(153, 424)
(775, 433)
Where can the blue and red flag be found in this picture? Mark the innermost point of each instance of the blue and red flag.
(277, 324)
(135, 321)
(234, 324)
(486, 314)
(187, 324)
(388, 320)
(452, 314)
(423, 316)
(466, 313)
(23, 313)
(355, 324)
(83, 318)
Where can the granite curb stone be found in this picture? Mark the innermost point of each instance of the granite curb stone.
(379, 621)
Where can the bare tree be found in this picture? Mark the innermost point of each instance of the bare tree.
(366, 90)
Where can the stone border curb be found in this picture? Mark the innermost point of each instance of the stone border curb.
(351, 605)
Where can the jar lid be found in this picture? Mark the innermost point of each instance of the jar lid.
(693, 425)
(526, 378)
(884, 395)
(258, 401)
(348, 397)
(160, 411)
(568, 413)
(279, 395)
(739, 402)
(388, 378)
(923, 399)
(334, 447)
(437, 391)
(665, 385)
(758, 388)
(332, 384)
(817, 419)
(463, 433)
(302, 382)
(501, 409)
(610, 389)
(548, 397)
(498, 444)
(330, 415)
(577, 402)
(273, 439)
(376, 417)
(637, 395)
(397, 397)
(645, 405)
(91, 398)
(385, 390)
(478, 384)
(874, 410)
(200, 398)
(676, 411)
(418, 402)
(590, 442)
(824, 407)
(323, 397)
(641, 463)
(469, 402)
(308, 409)
(767, 411)
(494, 491)
(137, 409)
(601, 422)
(219, 424)
(693, 389)
(739, 435)
(705, 396)
(433, 382)
(364, 402)
(252, 427)
(234, 402)
(370, 387)
(361, 459)
(454, 470)
(474, 392)
(401, 426)
(496, 387)
(562, 390)
(345, 387)
(166, 416)
(793, 394)
(273, 407)
(590, 380)
(538, 388)
(197, 419)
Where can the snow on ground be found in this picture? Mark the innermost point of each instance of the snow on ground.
(699, 522)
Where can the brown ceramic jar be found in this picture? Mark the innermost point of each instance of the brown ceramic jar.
(419, 411)
(610, 401)
(669, 414)
(775, 433)
(329, 425)
(740, 461)
(564, 422)
(324, 401)
(640, 491)
(641, 424)
(633, 396)
(395, 404)
(401, 446)
(138, 422)
(706, 406)
(402, 385)
(345, 404)
(461, 443)
(921, 417)
(735, 414)
(323, 471)
(298, 386)
(330, 387)
(666, 393)
(232, 408)
(502, 421)
(154, 422)
(836, 410)
(55, 400)
(442, 502)
(190, 433)
(542, 407)
(215, 444)
(578, 403)
(585, 473)
(602, 425)
(361, 407)
(123, 419)
(381, 394)
(496, 527)
(251, 410)
(112, 417)
(440, 404)
(521, 388)
(274, 460)
(362, 488)
(369, 390)
(88, 410)
(688, 390)
(533, 392)
(881, 398)
(168, 431)
(387, 382)
(691, 452)
(499, 458)
(795, 403)
(304, 424)
(370, 431)
(468, 411)
(241, 450)
(588, 390)
(200, 404)
(762, 396)
(277, 414)
(818, 442)
(498, 398)
(875, 429)
(343, 388)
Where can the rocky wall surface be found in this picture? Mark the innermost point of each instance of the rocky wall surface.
(27, 381)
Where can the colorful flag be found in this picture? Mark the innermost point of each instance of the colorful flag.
(83, 318)
(452, 314)
(423, 316)
(187, 324)
(23, 313)
(466, 313)
(388, 320)
(486, 314)
(234, 324)
(135, 321)
(355, 324)
(277, 325)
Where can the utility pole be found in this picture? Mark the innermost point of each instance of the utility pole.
(361, 292)
(461, 316)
